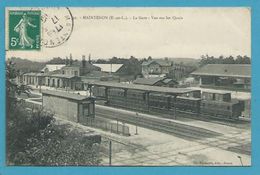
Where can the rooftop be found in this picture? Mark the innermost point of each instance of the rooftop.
(62, 76)
(168, 90)
(109, 67)
(80, 64)
(148, 81)
(65, 95)
(225, 70)
(53, 67)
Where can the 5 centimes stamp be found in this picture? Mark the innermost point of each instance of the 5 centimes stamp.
(57, 26)
(24, 30)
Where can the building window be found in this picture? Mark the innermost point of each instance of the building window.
(85, 110)
(76, 73)
(88, 109)
(91, 109)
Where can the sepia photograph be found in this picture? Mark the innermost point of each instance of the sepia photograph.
(128, 86)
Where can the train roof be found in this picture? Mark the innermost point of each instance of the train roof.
(158, 89)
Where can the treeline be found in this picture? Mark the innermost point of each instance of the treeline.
(24, 65)
(205, 59)
(56, 60)
(34, 137)
(116, 60)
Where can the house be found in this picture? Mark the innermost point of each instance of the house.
(156, 81)
(156, 67)
(71, 74)
(228, 76)
(179, 71)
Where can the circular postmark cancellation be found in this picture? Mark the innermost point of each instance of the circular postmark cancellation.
(57, 26)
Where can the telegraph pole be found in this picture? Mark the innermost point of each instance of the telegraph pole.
(240, 158)
(110, 153)
(136, 130)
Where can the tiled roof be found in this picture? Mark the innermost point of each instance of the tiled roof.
(148, 81)
(225, 70)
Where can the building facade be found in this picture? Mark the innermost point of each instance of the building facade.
(156, 67)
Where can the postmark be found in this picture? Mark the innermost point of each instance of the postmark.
(24, 30)
(57, 26)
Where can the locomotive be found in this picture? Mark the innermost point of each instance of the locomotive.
(195, 103)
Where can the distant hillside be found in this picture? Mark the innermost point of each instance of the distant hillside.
(25, 65)
(191, 61)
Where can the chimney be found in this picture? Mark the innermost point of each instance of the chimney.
(66, 61)
(71, 61)
(89, 58)
(83, 61)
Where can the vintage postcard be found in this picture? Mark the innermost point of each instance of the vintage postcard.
(128, 86)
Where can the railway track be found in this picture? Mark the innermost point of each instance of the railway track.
(180, 130)
(238, 123)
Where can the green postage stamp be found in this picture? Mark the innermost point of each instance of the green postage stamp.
(24, 30)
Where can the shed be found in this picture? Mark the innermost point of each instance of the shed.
(69, 106)
(227, 76)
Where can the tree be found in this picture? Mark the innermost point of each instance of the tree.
(33, 137)
(224, 60)
(12, 88)
(57, 60)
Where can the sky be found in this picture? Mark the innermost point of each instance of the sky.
(186, 32)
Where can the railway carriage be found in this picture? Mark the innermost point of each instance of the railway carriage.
(137, 100)
(210, 104)
(189, 104)
(159, 102)
(116, 97)
(99, 91)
